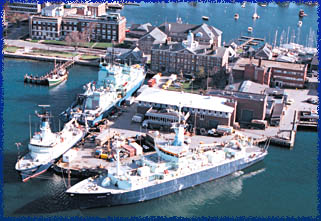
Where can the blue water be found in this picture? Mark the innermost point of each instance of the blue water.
(272, 18)
(284, 184)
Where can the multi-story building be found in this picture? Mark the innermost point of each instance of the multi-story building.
(24, 7)
(109, 28)
(188, 57)
(53, 25)
(152, 38)
(249, 105)
(281, 74)
(48, 24)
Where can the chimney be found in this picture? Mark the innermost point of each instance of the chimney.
(260, 62)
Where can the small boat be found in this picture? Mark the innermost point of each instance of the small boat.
(250, 29)
(255, 16)
(236, 16)
(299, 23)
(243, 4)
(301, 13)
(205, 18)
(263, 4)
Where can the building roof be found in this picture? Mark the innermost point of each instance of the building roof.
(174, 98)
(237, 95)
(240, 64)
(264, 52)
(205, 29)
(252, 87)
(157, 35)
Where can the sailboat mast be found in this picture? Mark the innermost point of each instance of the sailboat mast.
(29, 127)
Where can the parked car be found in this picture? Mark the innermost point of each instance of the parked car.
(289, 101)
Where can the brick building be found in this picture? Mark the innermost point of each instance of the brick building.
(56, 26)
(249, 106)
(281, 74)
(150, 39)
(206, 111)
(188, 57)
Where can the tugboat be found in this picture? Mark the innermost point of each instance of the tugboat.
(46, 147)
(115, 83)
(175, 166)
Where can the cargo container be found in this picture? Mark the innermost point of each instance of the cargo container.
(138, 148)
(104, 156)
(130, 150)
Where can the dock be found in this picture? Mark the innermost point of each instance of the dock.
(249, 40)
(54, 77)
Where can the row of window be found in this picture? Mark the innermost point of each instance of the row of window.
(289, 78)
(288, 72)
(186, 109)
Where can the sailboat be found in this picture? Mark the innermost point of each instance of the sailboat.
(255, 15)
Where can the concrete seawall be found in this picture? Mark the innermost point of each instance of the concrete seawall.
(43, 58)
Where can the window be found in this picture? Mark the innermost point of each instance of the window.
(202, 117)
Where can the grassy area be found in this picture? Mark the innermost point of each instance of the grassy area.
(11, 49)
(186, 87)
(102, 45)
(88, 57)
(54, 53)
(54, 42)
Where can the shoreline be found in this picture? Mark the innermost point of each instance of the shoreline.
(49, 59)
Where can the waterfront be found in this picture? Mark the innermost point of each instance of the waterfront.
(272, 18)
(284, 184)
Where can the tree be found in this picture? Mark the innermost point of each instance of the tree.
(74, 39)
(200, 73)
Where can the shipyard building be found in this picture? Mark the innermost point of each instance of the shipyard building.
(203, 112)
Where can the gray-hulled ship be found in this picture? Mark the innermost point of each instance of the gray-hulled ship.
(175, 166)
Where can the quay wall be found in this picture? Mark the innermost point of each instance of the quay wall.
(50, 59)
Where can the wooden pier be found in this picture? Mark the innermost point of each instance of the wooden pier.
(249, 40)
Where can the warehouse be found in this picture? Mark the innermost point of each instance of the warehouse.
(205, 111)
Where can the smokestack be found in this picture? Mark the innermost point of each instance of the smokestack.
(260, 62)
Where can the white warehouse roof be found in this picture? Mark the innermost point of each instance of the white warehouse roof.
(174, 98)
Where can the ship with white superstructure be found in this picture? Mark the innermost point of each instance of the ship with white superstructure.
(45, 147)
(175, 166)
(116, 82)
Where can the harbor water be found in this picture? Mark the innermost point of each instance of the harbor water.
(284, 184)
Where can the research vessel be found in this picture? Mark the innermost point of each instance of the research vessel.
(115, 83)
(45, 147)
(175, 166)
